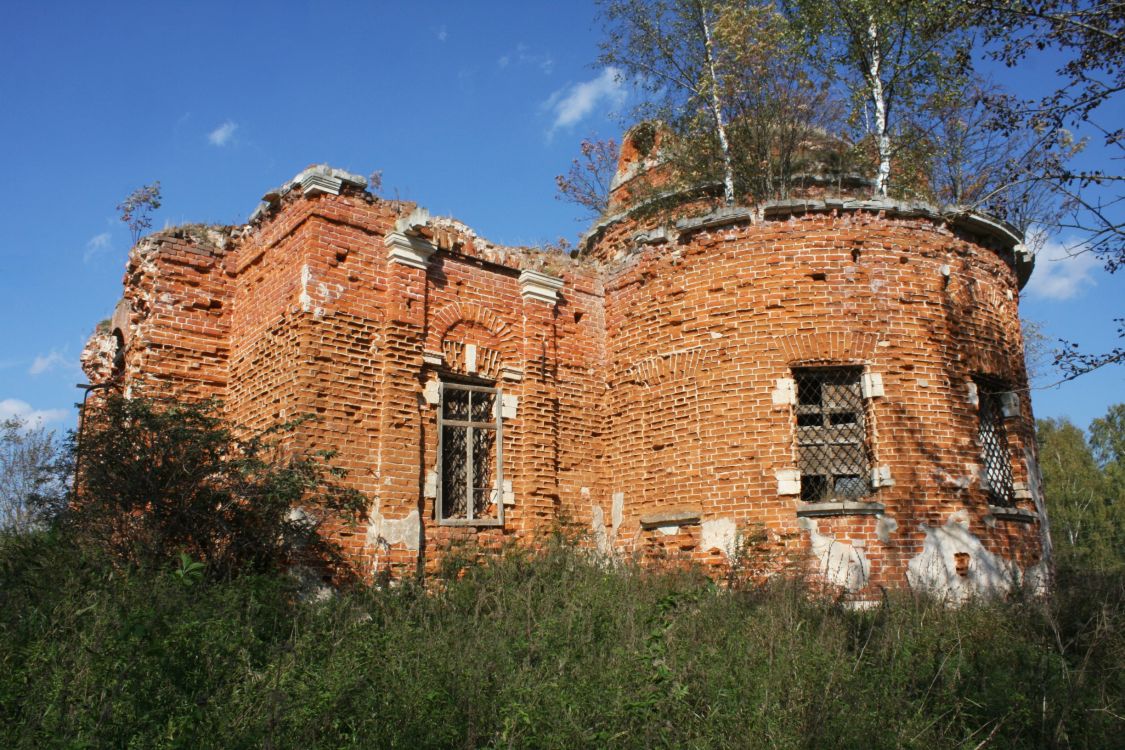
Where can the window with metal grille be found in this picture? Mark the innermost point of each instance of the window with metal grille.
(993, 436)
(831, 434)
(470, 455)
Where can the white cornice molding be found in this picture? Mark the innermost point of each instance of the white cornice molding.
(409, 251)
(540, 286)
(325, 179)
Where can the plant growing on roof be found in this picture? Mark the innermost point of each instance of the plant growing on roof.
(137, 208)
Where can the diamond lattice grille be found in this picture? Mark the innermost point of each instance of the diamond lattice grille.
(831, 434)
(994, 450)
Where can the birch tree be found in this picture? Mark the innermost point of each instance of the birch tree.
(891, 57)
(729, 78)
(669, 47)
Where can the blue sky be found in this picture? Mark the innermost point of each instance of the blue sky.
(471, 109)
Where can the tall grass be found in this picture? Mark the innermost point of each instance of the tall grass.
(540, 651)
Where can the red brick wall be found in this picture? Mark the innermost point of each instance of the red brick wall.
(698, 332)
(646, 389)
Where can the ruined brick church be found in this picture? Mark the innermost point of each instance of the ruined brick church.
(836, 379)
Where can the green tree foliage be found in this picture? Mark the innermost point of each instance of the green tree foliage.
(32, 474)
(136, 210)
(669, 47)
(1085, 497)
(160, 478)
(894, 58)
(1088, 38)
(1107, 438)
(730, 80)
(1085, 39)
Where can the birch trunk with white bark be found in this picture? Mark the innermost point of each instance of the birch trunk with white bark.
(879, 103)
(717, 112)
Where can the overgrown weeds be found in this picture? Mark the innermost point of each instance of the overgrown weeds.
(547, 649)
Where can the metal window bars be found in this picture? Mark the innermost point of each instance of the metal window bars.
(470, 454)
(832, 453)
(993, 436)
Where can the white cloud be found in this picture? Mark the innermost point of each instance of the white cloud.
(523, 55)
(13, 408)
(46, 363)
(95, 245)
(1060, 274)
(223, 134)
(572, 104)
(442, 34)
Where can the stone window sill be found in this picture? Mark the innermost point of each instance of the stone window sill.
(844, 508)
(1019, 515)
(670, 518)
(479, 522)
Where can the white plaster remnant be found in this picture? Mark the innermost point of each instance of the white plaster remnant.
(788, 481)
(840, 563)
(597, 526)
(329, 292)
(971, 394)
(669, 529)
(884, 527)
(383, 532)
(720, 534)
(509, 494)
(785, 392)
(938, 570)
(509, 404)
(305, 298)
(1010, 404)
(432, 392)
(430, 488)
(471, 358)
(617, 510)
(872, 385)
(881, 476)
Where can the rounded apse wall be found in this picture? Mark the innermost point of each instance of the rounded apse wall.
(848, 379)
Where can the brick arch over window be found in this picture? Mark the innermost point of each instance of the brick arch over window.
(828, 346)
(470, 312)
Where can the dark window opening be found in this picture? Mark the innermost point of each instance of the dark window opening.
(118, 354)
(832, 451)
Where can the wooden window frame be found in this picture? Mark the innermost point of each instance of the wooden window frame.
(826, 375)
(496, 424)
